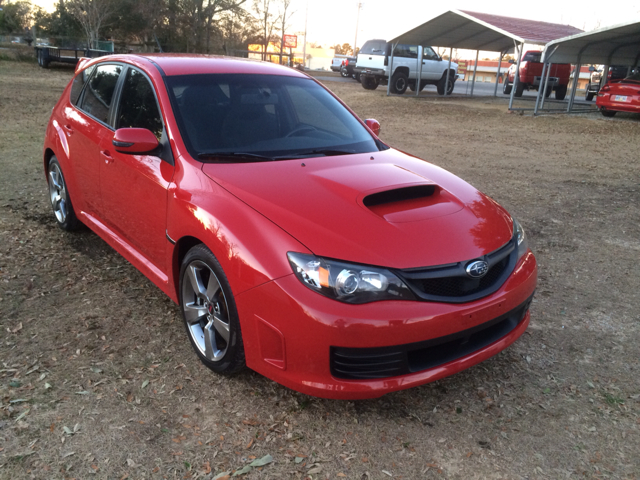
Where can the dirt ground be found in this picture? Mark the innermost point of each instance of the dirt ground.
(98, 380)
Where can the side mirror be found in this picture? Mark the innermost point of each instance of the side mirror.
(512, 61)
(592, 68)
(374, 125)
(134, 141)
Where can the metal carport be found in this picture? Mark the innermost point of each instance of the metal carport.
(479, 31)
(615, 45)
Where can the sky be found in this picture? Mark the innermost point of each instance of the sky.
(334, 21)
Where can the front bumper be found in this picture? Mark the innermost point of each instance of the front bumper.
(291, 334)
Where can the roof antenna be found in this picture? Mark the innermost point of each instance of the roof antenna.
(158, 42)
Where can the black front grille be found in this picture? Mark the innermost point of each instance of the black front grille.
(384, 362)
(451, 284)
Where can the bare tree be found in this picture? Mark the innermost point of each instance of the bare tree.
(284, 6)
(268, 23)
(92, 15)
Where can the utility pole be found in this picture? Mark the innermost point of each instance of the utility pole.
(304, 48)
(355, 42)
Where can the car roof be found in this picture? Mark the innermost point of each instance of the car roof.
(189, 64)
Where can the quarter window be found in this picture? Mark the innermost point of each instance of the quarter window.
(79, 83)
(97, 96)
(138, 106)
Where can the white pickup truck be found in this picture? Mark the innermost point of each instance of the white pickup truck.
(373, 65)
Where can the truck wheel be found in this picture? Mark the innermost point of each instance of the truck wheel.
(561, 92)
(357, 77)
(399, 83)
(548, 92)
(607, 113)
(519, 87)
(506, 86)
(343, 71)
(369, 83)
(441, 84)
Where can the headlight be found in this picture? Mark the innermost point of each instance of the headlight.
(347, 282)
(518, 232)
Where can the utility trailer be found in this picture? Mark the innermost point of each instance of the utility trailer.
(46, 54)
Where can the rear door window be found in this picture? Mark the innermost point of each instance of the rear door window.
(98, 93)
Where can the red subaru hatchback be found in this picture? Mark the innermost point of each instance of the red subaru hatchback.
(295, 241)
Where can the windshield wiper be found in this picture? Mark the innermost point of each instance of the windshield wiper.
(242, 156)
(329, 152)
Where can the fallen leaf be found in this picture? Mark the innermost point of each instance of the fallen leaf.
(222, 476)
(387, 473)
(249, 444)
(267, 459)
(144, 384)
(17, 329)
(242, 471)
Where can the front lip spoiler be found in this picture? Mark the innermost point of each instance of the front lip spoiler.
(392, 361)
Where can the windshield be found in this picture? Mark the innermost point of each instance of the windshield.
(240, 117)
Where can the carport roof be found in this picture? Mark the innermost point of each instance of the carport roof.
(614, 45)
(481, 31)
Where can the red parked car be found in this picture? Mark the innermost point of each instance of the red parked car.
(620, 96)
(295, 241)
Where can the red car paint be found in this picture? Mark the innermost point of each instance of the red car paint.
(620, 96)
(251, 214)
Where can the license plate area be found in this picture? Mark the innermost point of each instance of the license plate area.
(621, 98)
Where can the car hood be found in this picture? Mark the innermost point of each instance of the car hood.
(384, 208)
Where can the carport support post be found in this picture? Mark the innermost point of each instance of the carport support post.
(516, 77)
(542, 87)
(419, 77)
(574, 87)
(495, 89)
(546, 84)
(393, 47)
(475, 70)
(446, 83)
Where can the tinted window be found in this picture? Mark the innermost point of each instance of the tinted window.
(79, 82)
(407, 51)
(374, 47)
(532, 57)
(138, 107)
(268, 115)
(99, 92)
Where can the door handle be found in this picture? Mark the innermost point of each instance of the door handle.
(68, 129)
(107, 156)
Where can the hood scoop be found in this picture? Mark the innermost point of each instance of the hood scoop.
(412, 204)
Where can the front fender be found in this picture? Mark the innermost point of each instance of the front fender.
(251, 249)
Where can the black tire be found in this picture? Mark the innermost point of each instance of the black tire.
(343, 71)
(399, 83)
(548, 92)
(506, 86)
(369, 83)
(209, 312)
(519, 86)
(39, 56)
(357, 77)
(561, 92)
(59, 196)
(441, 84)
(607, 113)
(588, 96)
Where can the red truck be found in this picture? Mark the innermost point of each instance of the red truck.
(530, 73)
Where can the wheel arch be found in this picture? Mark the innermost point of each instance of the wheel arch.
(180, 250)
(404, 70)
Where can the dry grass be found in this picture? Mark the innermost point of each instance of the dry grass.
(98, 380)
